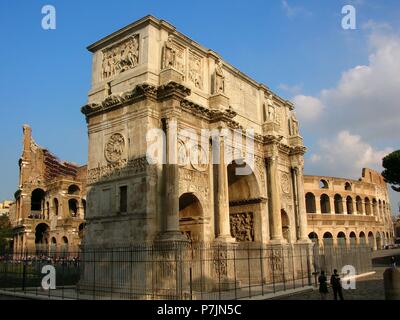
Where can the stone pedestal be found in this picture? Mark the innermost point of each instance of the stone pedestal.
(219, 102)
(169, 75)
(296, 140)
(270, 128)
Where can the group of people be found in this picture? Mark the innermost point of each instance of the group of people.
(335, 283)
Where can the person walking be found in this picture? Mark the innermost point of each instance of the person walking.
(393, 262)
(323, 285)
(336, 285)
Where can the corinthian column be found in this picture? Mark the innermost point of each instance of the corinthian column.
(171, 228)
(275, 215)
(302, 206)
(224, 233)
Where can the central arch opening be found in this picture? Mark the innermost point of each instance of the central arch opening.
(191, 217)
(244, 200)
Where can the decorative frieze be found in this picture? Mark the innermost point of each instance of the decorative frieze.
(120, 168)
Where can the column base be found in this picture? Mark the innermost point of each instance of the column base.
(172, 236)
(277, 241)
(304, 241)
(225, 239)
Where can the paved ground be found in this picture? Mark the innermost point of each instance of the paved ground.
(367, 288)
(10, 298)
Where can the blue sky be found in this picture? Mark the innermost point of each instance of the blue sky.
(297, 48)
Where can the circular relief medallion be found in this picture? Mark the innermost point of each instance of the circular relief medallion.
(285, 183)
(114, 148)
(199, 158)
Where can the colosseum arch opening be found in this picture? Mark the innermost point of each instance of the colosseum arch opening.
(353, 239)
(313, 237)
(341, 239)
(37, 204)
(359, 207)
(378, 241)
(371, 240)
(367, 206)
(73, 207)
(73, 189)
(362, 238)
(323, 184)
(328, 239)
(310, 203)
(41, 237)
(325, 204)
(338, 204)
(349, 205)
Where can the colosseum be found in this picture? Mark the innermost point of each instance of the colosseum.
(351, 212)
(50, 202)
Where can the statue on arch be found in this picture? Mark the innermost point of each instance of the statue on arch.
(295, 126)
(219, 78)
(169, 54)
(271, 109)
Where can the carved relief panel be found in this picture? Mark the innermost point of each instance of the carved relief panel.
(120, 57)
(195, 70)
(242, 226)
(174, 56)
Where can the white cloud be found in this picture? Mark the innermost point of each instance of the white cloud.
(292, 11)
(294, 90)
(308, 108)
(346, 154)
(366, 96)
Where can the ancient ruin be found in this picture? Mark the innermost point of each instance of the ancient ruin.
(50, 202)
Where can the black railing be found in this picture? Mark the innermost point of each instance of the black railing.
(178, 271)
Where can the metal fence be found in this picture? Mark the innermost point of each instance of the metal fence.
(178, 271)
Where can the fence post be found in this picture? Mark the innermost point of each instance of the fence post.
(94, 274)
(23, 274)
(273, 267)
(262, 269)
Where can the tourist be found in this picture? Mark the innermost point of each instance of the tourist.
(323, 285)
(393, 262)
(336, 285)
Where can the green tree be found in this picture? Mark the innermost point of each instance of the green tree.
(5, 233)
(391, 174)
